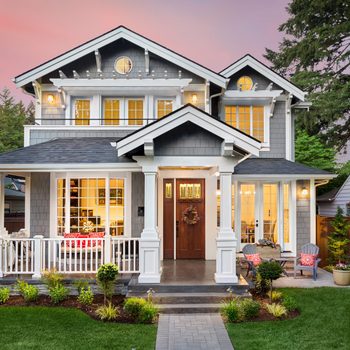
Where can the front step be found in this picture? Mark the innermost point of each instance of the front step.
(188, 308)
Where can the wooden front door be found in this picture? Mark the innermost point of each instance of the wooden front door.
(190, 219)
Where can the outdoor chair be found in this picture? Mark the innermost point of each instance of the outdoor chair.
(309, 249)
(247, 250)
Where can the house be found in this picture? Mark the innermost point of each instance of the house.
(14, 195)
(133, 140)
(329, 202)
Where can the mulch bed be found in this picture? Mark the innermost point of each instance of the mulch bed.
(71, 302)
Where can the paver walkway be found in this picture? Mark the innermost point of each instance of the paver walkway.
(192, 332)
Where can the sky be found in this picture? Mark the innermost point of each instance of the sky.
(214, 33)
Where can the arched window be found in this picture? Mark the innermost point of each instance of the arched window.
(123, 65)
(244, 83)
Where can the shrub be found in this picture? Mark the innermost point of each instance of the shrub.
(231, 311)
(275, 295)
(107, 312)
(249, 308)
(261, 285)
(106, 276)
(52, 278)
(148, 313)
(277, 310)
(58, 293)
(86, 296)
(4, 295)
(29, 292)
(289, 303)
(134, 306)
(270, 270)
(81, 284)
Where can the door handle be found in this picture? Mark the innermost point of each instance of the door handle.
(177, 228)
(256, 223)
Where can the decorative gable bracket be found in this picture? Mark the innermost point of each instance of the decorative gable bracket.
(227, 148)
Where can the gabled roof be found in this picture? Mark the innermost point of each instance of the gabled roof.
(109, 37)
(261, 68)
(331, 195)
(188, 113)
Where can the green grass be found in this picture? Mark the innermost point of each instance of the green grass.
(63, 328)
(324, 324)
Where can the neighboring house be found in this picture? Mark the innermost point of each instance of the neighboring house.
(338, 197)
(14, 196)
(135, 140)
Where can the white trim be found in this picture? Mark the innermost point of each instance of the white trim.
(188, 114)
(283, 176)
(289, 119)
(91, 128)
(112, 36)
(71, 167)
(250, 61)
(312, 211)
(27, 206)
(255, 95)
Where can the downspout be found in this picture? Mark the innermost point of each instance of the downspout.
(218, 95)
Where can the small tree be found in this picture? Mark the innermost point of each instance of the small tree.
(270, 270)
(106, 276)
(338, 239)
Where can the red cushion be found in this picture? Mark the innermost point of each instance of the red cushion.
(254, 258)
(96, 234)
(307, 259)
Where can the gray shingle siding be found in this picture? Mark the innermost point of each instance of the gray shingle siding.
(187, 140)
(40, 204)
(303, 217)
(137, 200)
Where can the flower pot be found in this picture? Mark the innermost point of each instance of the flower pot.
(341, 277)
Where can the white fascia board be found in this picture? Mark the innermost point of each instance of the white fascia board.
(132, 166)
(91, 128)
(252, 94)
(196, 117)
(268, 73)
(283, 176)
(110, 37)
(97, 83)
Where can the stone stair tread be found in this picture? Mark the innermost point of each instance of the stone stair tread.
(189, 306)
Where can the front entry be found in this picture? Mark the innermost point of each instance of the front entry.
(190, 219)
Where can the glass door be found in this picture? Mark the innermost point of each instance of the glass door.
(269, 225)
(248, 213)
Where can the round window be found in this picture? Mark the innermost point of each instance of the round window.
(244, 83)
(123, 65)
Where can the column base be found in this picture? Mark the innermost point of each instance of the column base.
(36, 276)
(150, 271)
(226, 260)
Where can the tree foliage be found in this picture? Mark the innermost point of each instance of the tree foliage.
(315, 55)
(310, 150)
(13, 115)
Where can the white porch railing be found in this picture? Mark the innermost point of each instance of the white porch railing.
(67, 255)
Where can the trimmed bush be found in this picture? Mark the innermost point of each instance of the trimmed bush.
(4, 295)
(270, 270)
(29, 292)
(86, 296)
(107, 312)
(231, 311)
(289, 303)
(148, 313)
(276, 310)
(106, 277)
(249, 308)
(262, 286)
(133, 306)
(58, 293)
(52, 278)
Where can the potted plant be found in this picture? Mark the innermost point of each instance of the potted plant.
(338, 247)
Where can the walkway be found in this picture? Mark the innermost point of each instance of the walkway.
(192, 332)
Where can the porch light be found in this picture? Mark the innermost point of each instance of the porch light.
(50, 99)
(304, 191)
(194, 98)
(218, 193)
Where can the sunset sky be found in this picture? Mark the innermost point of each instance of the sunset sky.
(214, 33)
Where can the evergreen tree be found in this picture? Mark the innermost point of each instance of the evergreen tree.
(315, 55)
(338, 239)
(13, 115)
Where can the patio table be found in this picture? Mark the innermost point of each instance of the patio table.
(283, 262)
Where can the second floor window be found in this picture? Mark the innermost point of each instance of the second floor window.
(82, 112)
(111, 111)
(135, 112)
(164, 107)
(249, 119)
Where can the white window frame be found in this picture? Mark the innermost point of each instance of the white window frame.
(126, 176)
(126, 109)
(73, 100)
(121, 109)
(157, 98)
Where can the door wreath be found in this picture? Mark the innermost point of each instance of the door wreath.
(190, 215)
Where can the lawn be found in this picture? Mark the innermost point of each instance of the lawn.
(324, 323)
(63, 328)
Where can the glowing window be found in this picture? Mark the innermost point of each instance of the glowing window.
(82, 112)
(111, 111)
(123, 65)
(164, 107)
(244, 83)
(135, 112)
(190, 191)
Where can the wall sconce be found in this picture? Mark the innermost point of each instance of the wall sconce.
(50, 99)
(304, 191)
(194, 98)
(218, 193)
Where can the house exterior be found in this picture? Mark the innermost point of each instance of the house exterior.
(134, 140)
(329, 202)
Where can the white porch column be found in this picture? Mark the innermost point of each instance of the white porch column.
(2, 204)
(150, 242)
(226, 240)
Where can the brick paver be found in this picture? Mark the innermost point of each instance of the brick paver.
(192, 332)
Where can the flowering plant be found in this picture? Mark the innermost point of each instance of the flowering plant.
(342, 267)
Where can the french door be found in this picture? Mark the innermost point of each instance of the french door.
(264, 213)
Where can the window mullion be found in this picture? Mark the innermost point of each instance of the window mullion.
(251, 120)
(67, 206)
(107, 230)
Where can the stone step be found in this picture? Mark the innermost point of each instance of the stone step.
(188, 308)
(188, 298)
